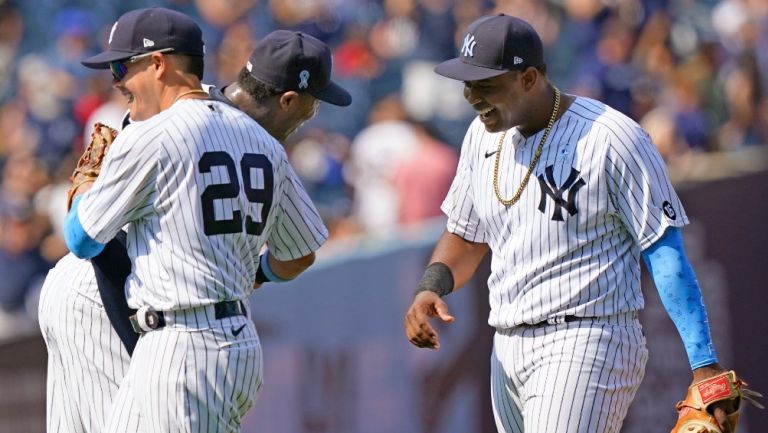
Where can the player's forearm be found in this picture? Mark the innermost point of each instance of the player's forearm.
(291, 269)
(77, 240)
(680, 293)
(461, 256)
(274, 270)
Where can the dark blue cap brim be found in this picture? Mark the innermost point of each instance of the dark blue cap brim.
(333, 94)
(102, 60)
(459, 70)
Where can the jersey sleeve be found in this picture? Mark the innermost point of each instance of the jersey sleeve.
(458, 205)
(639, 187)
(298, 230)
(122, 192)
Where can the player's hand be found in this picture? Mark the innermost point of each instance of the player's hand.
(80, 190)
(89, 165)
(721, 408)
(417, 328)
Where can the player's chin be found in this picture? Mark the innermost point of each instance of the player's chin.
(494, 127)
(492, 123)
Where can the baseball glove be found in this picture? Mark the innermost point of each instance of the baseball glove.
(695, 412)
(89, 165)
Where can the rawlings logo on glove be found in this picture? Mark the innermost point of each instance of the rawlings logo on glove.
(695, 414)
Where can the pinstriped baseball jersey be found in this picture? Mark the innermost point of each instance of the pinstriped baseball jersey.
(204, 187)
(599, 195)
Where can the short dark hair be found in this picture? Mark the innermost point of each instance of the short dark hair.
(257, 89)
(542, 68)
(190, 64)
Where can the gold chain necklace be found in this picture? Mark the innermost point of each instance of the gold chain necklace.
(516, 197)
(189, 92)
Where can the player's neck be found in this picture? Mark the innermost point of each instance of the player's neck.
(540, 117)
(256, 110)
(186, 89)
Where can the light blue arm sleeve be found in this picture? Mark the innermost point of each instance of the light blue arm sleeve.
(75, 236)
(680, 293)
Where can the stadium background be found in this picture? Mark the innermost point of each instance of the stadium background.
(691, 72)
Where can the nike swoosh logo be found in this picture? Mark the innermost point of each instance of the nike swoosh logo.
(236, 332)
(490, 154)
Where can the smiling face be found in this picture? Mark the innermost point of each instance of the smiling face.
(500, 101)
(281, 114)
(305, 109)
(138, 85)
(291, 110)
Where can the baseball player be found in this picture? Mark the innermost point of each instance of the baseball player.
(200, 197)
(86, 361)
(567, 194)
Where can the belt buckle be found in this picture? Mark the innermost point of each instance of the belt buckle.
(226, 309)
(146, 319)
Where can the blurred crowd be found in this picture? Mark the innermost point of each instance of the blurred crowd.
(688, 70)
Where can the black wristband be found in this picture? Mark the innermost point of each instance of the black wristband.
(437, 278)
(261, 277)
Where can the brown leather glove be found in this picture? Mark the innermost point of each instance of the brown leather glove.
(694, 413)
(89, 165)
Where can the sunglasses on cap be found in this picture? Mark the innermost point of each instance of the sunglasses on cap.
(119, 69)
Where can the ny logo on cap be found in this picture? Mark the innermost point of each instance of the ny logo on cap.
(112, 33)
(304, 77)
(468, 49)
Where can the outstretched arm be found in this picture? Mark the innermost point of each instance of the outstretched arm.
(453, 263)
(681, 295)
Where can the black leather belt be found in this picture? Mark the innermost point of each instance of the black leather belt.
(156, 319)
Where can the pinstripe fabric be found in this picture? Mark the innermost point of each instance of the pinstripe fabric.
(577, 377)
(201, 382)
(151, 178)
(197, 374)
(586, 264)
(86, 359)
(571, 246)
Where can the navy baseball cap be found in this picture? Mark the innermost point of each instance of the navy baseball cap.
(494, 45)
(296, 61)
(145, 30)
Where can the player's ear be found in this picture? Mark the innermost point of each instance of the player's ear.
(288, 100)
(159, 63)
(529, 77)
